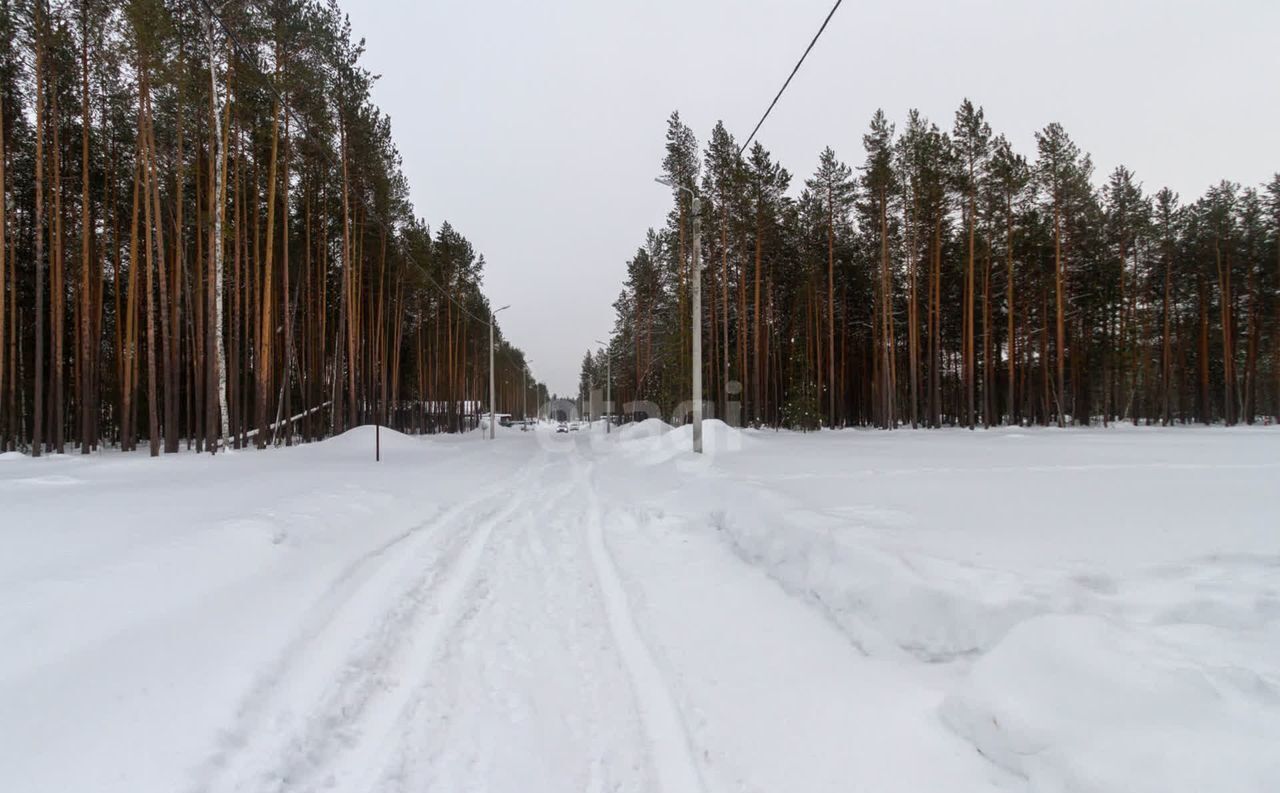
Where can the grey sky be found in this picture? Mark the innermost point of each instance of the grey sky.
(536, 127)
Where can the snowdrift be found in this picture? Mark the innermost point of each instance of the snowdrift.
(931, 609)
(716, 436)
(359, 442)
(1123, 642)
(1084, 703)
(658, 442)
(649, 428)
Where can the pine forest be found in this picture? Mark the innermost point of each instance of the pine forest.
(207, 238)
(945, 279)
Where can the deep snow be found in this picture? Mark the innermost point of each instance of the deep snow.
(1040, 610)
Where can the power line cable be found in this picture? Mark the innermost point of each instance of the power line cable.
(788, 82)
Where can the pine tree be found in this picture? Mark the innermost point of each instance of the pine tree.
(111, 298)
(1126, 220)
(833, 185)
(972, 137)
(1059, 170)
(1094, 303)
(1010, 176)
(722, 185)
(767, 184)
(879, 188)
(1273, 205)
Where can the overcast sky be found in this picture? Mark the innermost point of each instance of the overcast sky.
(536, 128)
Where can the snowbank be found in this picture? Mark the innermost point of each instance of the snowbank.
(1097, 623)
(653, 442)
(931, 609)
(1078, 703)
(716, 436)
(359, 442)
(649, 428)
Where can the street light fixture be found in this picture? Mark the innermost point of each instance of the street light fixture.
(696, 295)
(493, 412)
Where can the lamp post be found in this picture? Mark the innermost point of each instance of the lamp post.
(696, 299)
(608, 387)
(493, 411)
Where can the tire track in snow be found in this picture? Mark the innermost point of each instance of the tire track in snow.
(435, 570)
(369, 702)
(677, 770)
(412, 751)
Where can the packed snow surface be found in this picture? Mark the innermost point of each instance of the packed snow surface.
(1031, 610)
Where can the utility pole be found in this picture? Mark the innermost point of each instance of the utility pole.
(524, 388)
(696, 295)
(608, 387)
(493, 411)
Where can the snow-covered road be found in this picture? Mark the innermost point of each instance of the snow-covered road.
(501, 648)
(555, 613)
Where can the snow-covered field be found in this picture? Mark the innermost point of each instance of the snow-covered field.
(1021, 610)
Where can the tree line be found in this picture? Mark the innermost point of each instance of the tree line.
(206, 236)
(951, 281)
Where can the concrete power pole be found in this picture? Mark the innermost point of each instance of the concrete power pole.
(493, 410)
(697, 309)
(493, 413)
(608, 386)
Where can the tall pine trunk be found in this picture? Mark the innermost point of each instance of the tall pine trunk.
(1010, 298)
(6, 417)
(57, 284)
(86, 231)
(831, 307)
(1058, 281)
(266, 326)
(150, 226)
(37, 412)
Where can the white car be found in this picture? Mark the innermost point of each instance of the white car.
(562, 427)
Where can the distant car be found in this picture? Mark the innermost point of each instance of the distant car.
(574, 427)
(562, 427)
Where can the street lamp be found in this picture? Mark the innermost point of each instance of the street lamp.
(608, 384)
(493, 412)
(696, 295)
